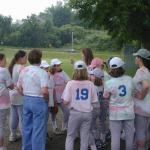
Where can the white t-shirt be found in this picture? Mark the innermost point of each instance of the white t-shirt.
(80, 95)
(121, 105)
(15, 96)
(33, 79)
(142, 107)
(5, 81)
(60, 81)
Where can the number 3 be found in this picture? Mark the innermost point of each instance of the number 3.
(122, 90)
(82, 94)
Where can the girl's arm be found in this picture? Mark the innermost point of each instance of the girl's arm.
(141, 95)
(45, 93)
(106, 94)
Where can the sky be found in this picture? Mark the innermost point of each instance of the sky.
(20, 9)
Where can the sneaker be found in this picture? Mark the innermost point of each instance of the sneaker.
(100, 144)
(14, 138)
(57, 132)
(123, 135)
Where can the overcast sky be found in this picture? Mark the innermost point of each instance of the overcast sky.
(19, 9)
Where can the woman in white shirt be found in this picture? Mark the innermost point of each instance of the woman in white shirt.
(142, 98)
(33, 83)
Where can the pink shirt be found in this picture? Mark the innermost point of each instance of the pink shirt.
(5, 81)
(60, 81)
(80, 95)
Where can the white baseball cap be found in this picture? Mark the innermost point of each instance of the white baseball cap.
(55, 61)
(80, 65)
(116, 62)
(44, 64)
(97, 72)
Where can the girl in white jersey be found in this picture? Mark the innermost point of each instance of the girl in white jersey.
(142, 98)
(60, 81)
(15, 67)
(98, 63)
(79, 95)
(96, 130)
(5, 84)
(121, 107)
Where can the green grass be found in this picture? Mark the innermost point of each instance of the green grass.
(50, 53)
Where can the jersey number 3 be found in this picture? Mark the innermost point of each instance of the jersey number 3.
(122, 90)
(82, 94)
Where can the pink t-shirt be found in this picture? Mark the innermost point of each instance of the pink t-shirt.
(60, 81)
(5, 81)
(80, 95)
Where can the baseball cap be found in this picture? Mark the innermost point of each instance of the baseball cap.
(55, 61)
(97, 72)
(144, 53)
(44, 64)
(96, 61)
(80, 65)
(116, 62)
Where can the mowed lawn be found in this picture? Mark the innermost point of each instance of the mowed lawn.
(65, 57)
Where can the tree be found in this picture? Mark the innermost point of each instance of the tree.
(125, 20)
(61, 14)
(5, 27)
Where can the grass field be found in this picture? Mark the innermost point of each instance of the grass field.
(50, 53)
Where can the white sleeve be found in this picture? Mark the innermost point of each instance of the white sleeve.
(66, 96)
(66, 77)
(44, 79)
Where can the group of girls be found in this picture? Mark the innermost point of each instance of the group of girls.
(85, 101)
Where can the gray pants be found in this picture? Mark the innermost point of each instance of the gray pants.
(78, 121)
(3, 118)
(141, 131)
(16, 118)
(116, 127)
(95, 128)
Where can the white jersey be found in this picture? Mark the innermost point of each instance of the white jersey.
(15, 96)
(99, 91)
(32, 79)
(121, 105)
(142, 107)
(80, 95)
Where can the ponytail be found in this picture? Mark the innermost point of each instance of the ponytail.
(12, 63)
(18, 55)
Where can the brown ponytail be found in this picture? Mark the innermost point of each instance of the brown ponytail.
(18, 55)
